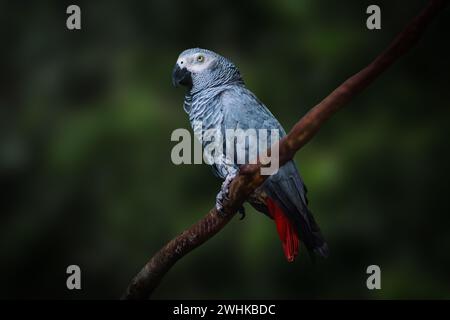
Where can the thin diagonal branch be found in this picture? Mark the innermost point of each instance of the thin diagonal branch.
(249, 178)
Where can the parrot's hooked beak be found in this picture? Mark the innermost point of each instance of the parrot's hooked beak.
(181, 76)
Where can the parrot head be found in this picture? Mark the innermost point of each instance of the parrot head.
(199, 69)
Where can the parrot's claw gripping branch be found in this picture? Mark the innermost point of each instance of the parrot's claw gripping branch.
(222, 196)
(243, 185)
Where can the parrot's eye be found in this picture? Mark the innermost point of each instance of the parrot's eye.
(200, 58)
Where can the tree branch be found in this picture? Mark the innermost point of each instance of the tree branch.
(249, 177)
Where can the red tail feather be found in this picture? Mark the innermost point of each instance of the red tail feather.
(286, 230)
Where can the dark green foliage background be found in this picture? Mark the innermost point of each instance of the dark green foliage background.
(86, 176)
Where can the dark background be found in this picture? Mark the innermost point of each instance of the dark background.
(85, 169)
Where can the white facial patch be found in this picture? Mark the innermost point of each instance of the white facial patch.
(192, 64)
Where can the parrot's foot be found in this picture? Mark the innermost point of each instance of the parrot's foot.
(223, 193)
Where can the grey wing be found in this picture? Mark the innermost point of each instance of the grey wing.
(242, 110)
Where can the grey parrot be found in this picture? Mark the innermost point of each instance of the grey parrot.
(217, 98)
